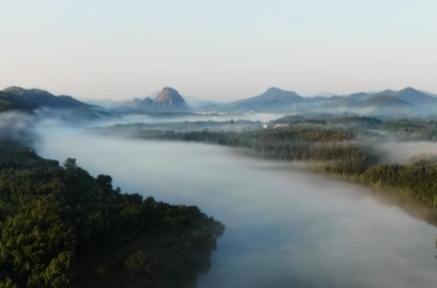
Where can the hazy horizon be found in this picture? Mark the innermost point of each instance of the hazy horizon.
(153, 94)
(217, 50)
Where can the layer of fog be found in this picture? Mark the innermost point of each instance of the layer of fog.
(139, 118)
(398, 152)
(284, 227)
(17, 126)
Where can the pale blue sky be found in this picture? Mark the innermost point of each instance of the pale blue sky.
(217, 49)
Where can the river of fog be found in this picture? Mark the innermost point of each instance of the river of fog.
(284, 227)
(396, 152)
(263, 117)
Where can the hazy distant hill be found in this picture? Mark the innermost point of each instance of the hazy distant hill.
(167, 100)
(11, 102)
(324, 94)
(48, 105)
(273, 94)
(387, 92)
(386, 106)
(381, 101)
(193, 102)
(360, 96)
(273, 99)
(337, 101)
(170, 98)
(415, 97)
(44, 98)
(406, 102)
(379, 105)
(409, 95)
(372, 105)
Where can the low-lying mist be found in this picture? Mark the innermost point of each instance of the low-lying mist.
(396, 152)
(284, 227)
(165, 118)
(17, 126)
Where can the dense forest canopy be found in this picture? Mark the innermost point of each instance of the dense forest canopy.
(412, 129)
(10, 102)
(61, 227)
(405, 129)
(42, 98)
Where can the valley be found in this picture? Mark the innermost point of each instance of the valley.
(218, 144)
(281, 220)
(292, 189)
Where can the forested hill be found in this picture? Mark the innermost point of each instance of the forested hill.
(50, 106)
(43, 98)
(10, 102)
(61, 227)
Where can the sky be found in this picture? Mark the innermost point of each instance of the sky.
(217, 49)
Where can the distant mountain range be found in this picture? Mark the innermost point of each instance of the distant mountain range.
(136, 102)
(168, 100)
(270, 100)
(407, 102)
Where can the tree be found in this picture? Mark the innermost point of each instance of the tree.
(70, 164)
(104, 181)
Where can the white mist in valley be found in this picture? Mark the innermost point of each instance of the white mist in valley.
(139, 118)
(396, 152)
(284, 227)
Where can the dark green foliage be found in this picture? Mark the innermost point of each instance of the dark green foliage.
(43, 98)
(361, 122)
(11, 102)
(416, 179)
(61, 227)
(383, 101)
(289, 119)
(64, 108)
(355, 121)
(295, 119)
(185, 126)
(412, 129)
